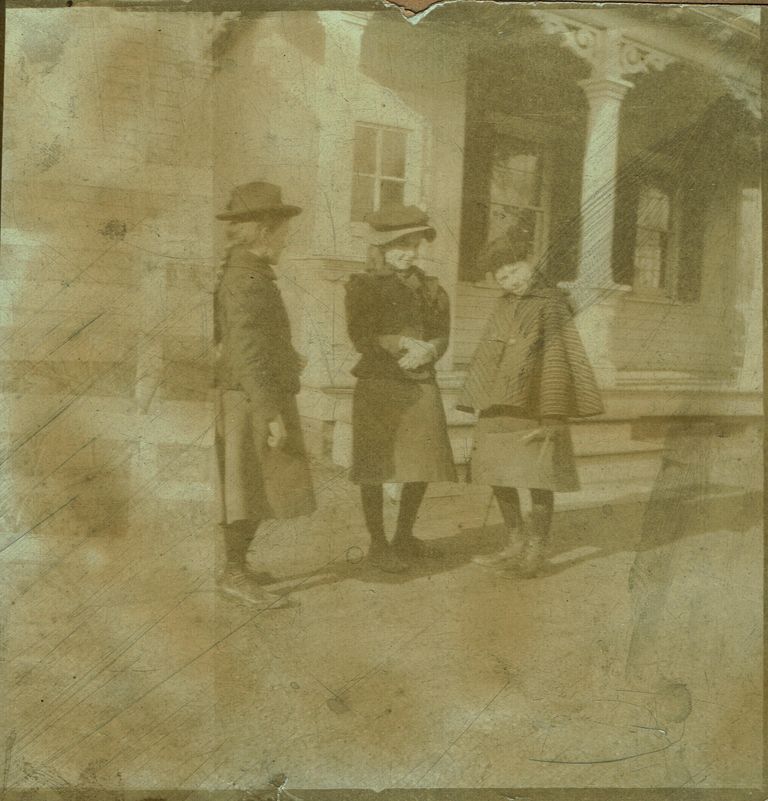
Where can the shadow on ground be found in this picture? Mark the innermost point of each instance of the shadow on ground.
(577, 536)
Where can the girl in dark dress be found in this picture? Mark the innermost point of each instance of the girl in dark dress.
(398, 319)
(529, 375)
(262, 466)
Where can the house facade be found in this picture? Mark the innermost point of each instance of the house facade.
(627, 135)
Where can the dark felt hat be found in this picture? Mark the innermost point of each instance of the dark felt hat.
(394, 220)
(254, 200)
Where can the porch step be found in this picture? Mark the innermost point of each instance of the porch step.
(620, 493)
(606, 494)
(630, 465)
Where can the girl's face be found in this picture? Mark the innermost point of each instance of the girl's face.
(402, 253)
(515, 278)
(268, 239)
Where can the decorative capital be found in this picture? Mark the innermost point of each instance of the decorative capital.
(635, 58)
(579, 38)
(610, 53)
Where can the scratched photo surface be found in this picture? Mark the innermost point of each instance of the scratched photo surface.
(381, 402)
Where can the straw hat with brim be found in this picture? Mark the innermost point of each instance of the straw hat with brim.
(256, 200)
(394, 221)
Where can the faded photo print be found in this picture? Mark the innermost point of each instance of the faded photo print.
(382, 403)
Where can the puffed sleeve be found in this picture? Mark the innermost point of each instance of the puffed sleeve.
(439, 331)
(362, 310)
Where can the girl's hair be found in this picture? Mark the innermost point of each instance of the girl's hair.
(510, 254)
(235, 227)
(375, 261)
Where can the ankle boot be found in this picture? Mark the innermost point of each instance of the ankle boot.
(509, 556)
(532, 559)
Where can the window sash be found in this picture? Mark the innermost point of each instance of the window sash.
(380, 178)
(652, 258)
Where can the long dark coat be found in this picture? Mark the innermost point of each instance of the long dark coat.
(257, 375)
(399, 431)
(531, 358)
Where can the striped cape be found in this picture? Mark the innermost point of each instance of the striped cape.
(531, 357)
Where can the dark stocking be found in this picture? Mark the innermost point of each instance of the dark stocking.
(373, 511)
(410, 501)
(238, 537)
(508, 500)
(543, 503)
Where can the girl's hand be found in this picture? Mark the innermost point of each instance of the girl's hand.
(548, 430)
(417, 354)
(277, 433)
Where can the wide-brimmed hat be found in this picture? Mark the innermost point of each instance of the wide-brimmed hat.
(394, 221)
(254, 200)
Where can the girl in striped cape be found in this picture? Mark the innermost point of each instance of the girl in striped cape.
(529, 375)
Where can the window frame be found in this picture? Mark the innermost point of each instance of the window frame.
(545, 138)
(377, 176)
(667, 292)
(663, 172)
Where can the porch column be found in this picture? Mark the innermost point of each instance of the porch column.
(611, 55)
(595, 295)
(598, 193)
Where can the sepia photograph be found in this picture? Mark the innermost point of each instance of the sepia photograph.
(382, 402)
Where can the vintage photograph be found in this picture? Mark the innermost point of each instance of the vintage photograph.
(382, 402)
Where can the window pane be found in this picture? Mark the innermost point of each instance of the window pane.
(649, 258)
(365, 149)
(516, 173)
(362, 196)
(653, 209)
(502, 218)
(393, 154)
(392, 191)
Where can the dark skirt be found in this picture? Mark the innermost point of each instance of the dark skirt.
(399, 433)
(257, 482)
(502, 458)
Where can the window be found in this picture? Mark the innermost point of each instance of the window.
(508, 167)
(657, 234)
(652, 239)
(517, 189)
(378, 167)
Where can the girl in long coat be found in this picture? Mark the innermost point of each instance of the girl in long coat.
(262, 466)
(529, 375)
(398, 319)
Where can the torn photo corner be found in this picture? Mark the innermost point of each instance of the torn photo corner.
(382, 401)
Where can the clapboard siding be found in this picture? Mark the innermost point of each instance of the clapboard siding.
(473, 306)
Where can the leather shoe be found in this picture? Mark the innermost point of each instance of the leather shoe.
(416, 548)
(240, 586)
(384, 558)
